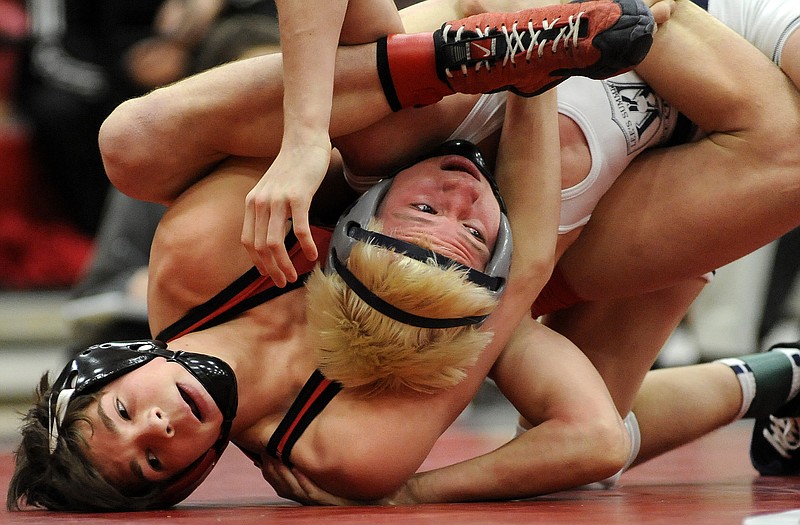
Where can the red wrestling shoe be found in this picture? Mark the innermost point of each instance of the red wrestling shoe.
(533, 50)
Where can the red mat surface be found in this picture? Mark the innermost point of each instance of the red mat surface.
(709, 482)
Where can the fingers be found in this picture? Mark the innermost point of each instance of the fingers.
(264, 230)
(302, 230)
(273, 252)
(285, 484)
(280, 201)
(254, 238)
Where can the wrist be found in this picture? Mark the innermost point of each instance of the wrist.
(299, 137)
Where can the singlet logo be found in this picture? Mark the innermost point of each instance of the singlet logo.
(640, 114)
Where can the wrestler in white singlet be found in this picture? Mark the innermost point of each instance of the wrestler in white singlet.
(620, 117)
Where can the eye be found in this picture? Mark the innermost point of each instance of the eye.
(475, 233)
(424, 208)
(121, 410)
(153, 461)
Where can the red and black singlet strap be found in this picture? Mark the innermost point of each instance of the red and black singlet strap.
(312, 399)
(249, 290)
(237, 297)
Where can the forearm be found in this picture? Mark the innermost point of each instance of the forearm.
(577, 435)
(529, 176)
(553, 456)
(310, 37)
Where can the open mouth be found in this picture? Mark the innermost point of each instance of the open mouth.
(192, 405)
(462, 164)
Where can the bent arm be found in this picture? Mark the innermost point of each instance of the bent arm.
(528, 173)
(577, 436)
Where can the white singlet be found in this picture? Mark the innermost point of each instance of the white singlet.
(767, 24)
(620, 117)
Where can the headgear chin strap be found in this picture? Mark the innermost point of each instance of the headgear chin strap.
(102, 363)
(351, 228)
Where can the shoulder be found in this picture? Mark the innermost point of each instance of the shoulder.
(196, 251)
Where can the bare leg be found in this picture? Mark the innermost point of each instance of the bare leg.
(683, 211)
(678, 405)
(156, 146)
(622, 337)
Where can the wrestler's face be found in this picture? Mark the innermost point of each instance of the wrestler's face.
(446, 202)
(150, 424)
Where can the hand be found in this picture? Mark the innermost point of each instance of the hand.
(281, 200)
(292, 484)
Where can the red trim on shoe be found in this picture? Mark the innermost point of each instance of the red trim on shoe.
(412, 66)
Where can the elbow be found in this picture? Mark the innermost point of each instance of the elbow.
(609, 449)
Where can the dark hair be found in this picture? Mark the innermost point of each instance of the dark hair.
(65, 479)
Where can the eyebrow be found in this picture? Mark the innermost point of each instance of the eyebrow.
(107, 421)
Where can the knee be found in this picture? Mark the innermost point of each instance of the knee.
(118, 147)
(129, 144)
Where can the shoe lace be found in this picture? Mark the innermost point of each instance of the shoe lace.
(783, 434)
(515, 40)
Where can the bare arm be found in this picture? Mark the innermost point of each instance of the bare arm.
(310, 35)
(309, 39)
(577, 435)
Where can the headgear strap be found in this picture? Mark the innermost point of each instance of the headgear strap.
(55, 420)
(395, 313)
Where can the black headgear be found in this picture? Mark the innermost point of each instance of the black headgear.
(102, 363)
(351, 228)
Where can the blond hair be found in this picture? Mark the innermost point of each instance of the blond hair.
(360, 347)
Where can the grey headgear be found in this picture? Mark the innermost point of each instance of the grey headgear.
(351, 228)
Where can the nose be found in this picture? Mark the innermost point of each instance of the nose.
(157, 423)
